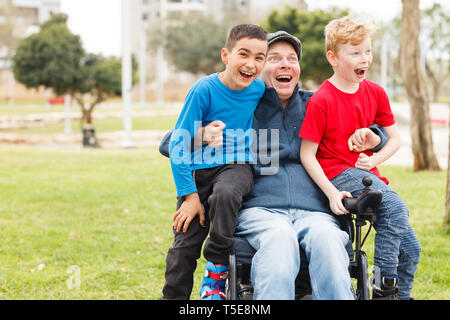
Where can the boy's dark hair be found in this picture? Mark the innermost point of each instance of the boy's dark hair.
(240, 31)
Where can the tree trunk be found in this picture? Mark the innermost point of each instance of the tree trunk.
(436, 85)
(89, 116)
(416, 90)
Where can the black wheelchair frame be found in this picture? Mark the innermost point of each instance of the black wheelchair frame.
(362, 210)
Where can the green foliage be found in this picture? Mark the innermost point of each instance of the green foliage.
(50, 58)
(195, 43)
(436, 25)
(101, 74)
(435, 36)
(309, 27)
(54, 58)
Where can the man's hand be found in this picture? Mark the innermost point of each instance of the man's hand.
(363, 139)
(187, 212)
(213, 133)
(364, 162)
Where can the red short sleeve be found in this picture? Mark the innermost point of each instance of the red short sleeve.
(314, 124)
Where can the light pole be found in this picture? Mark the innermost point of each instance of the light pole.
(142, 64)
(126, 74)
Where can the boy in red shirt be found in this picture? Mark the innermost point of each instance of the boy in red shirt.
(344, 103)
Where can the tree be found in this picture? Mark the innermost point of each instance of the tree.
(194, 44)
(436, 35)
(416, 90)
(54, 58)
(308, 26)
(50, 58)
(100, 78)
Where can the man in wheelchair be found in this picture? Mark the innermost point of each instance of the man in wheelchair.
(285, 210)
(362, 210)
(285, 220)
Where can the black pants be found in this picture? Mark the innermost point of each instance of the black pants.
(221, 190)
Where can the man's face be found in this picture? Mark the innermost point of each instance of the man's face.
(244, 62)
(282, 70)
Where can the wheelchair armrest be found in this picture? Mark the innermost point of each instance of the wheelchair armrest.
(164, 145)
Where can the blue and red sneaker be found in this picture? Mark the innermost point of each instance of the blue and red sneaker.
(213, 284)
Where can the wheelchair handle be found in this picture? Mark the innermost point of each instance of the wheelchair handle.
(365, 205)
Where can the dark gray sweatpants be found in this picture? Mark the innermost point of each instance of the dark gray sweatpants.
(221, 190)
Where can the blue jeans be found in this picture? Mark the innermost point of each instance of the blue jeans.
(397, 249)
(276, 233)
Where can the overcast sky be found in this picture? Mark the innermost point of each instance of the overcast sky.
(98, 22)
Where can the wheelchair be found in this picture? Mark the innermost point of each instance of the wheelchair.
(362, 211)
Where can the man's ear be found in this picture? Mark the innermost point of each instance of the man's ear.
(331, 57)
(224, 55)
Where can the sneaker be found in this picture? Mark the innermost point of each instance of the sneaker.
(213, 284)
(388, 290)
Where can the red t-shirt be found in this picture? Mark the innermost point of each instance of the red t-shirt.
(332, 116)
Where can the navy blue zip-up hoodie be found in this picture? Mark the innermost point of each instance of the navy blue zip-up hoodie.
(280, 179)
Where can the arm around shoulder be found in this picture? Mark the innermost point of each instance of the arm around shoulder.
(391, 146)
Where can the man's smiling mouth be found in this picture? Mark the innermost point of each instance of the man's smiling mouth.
(284, 78)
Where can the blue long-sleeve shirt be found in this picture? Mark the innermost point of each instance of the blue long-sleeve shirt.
(209, 100)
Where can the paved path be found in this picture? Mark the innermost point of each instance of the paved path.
(439, 114)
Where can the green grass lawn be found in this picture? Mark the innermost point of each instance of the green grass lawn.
(38, 106)
(103, 217)
(24, 108)
(159, 122)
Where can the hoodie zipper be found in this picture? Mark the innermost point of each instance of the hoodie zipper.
(288, 181)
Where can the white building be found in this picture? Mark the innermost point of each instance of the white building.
(25, 16)
(148, 14)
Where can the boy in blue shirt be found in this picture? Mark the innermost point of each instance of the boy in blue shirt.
(214, 180)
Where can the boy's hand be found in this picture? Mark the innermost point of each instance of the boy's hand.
(363, 139)
(187, 212)
(336, 204)
(364, 162)
(213, 133)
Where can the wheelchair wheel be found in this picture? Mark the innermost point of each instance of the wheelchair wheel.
(362, 289)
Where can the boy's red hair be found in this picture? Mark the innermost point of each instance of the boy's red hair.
(342, 30)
